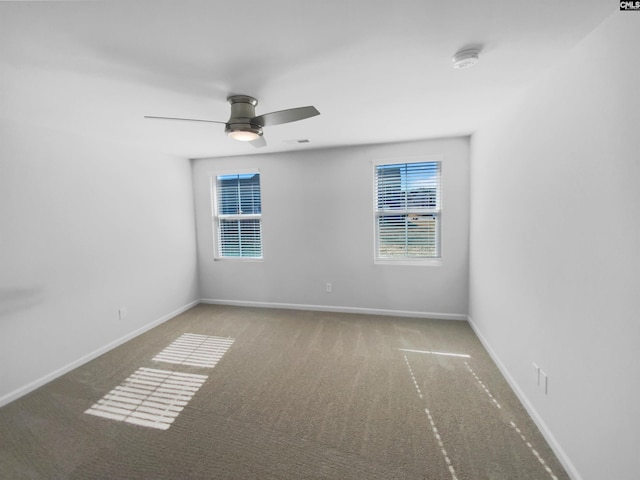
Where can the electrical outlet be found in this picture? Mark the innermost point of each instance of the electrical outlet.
(329, 287)
(123, 312)
(544, 381)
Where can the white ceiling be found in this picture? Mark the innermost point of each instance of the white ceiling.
(378, 71)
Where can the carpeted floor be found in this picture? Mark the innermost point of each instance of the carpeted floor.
(280, 394)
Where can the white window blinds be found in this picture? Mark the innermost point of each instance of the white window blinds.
(407, 210)
(238, 215)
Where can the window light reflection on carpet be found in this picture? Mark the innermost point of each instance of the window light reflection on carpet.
(447, 354)
(149, 397)
(195, 350)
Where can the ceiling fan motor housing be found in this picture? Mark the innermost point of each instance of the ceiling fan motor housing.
(243, 110)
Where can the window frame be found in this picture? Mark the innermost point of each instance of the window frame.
(411, 261)
(216, 217)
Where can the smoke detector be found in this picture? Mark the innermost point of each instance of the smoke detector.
(465, 58)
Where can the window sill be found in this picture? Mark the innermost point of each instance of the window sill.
(238, 259)
(417, 262)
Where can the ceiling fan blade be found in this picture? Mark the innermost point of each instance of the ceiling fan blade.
(186, 119)
(259, 142)
(285, 116)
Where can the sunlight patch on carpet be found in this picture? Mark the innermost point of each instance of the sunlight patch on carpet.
(429, 352)
(513, 424)
(195, 350)
(149, 397)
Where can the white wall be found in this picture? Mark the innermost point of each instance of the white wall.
(318, 228)
(555, 249)
(86, 227)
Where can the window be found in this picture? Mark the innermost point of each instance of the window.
(237, 215)
(407, 211)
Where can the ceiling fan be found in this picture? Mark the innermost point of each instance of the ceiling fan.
(244, 125)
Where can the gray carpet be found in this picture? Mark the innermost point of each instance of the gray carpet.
(292, 395)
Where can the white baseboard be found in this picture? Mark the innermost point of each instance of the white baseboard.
(14, 395)
(338, 309)
(546, 432)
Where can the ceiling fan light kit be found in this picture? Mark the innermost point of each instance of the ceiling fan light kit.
(243, 134)
(244, 125)
(465, 58)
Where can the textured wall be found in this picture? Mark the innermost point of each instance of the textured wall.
(554, 248)
(87, 227)
(318, 227)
